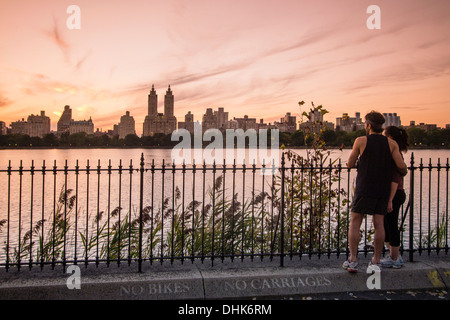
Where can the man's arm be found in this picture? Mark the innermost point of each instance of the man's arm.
(397, 157)
(355, 153)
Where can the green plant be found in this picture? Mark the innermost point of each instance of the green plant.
(51, 246)
(218, 227)
(436, 236)
(314, 204)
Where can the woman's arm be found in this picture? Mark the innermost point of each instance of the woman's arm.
(394, 186)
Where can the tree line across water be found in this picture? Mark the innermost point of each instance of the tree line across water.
(437, 138)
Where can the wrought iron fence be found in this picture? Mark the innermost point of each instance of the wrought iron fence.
(149, 213)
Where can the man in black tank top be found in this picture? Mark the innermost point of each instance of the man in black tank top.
(375, 154)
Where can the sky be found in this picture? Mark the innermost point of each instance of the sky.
(252, 57)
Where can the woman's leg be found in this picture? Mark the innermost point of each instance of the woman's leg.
(394, 235)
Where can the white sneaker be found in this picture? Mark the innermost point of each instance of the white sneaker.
(350, 266)
(388, 262)
(373, 267)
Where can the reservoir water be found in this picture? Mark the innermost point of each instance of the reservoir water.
(27, 198)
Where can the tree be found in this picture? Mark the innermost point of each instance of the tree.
(22, 140)
(78, 139)
(355, 134)
(436, 138)
(343, 138)
(446, 137)
(105, 140)
(64, 139)
(285, 138)
(132, 140)
(417, 137)
(50, 140)
(35, 142)
(298, 138)
(329, 136)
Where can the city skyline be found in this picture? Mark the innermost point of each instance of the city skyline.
(252, 58)
(166, 122)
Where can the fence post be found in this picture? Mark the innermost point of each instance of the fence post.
(282, 212)
(411, 209)
(141, 198)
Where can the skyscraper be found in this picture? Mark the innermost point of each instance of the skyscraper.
(168, 103)
(188, 123)
(64, 120)
(126, 125)
(209, 120)
(153, 103)
(222, 118)
(391, 120)
(289, 123)
(349, 124)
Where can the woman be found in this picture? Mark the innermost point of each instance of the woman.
(396, 200)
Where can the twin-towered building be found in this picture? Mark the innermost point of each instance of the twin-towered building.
(156, 122)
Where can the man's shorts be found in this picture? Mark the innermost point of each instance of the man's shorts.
(367, 205)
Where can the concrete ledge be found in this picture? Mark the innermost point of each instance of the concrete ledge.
(104, 283)
(227, 280)
(320, 277)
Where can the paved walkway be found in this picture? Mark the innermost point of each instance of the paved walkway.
(379, 295)
(299, 278)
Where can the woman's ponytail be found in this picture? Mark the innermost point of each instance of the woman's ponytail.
(404, 140)
(400, 136)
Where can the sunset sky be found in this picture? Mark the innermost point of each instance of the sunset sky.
(251, 57)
